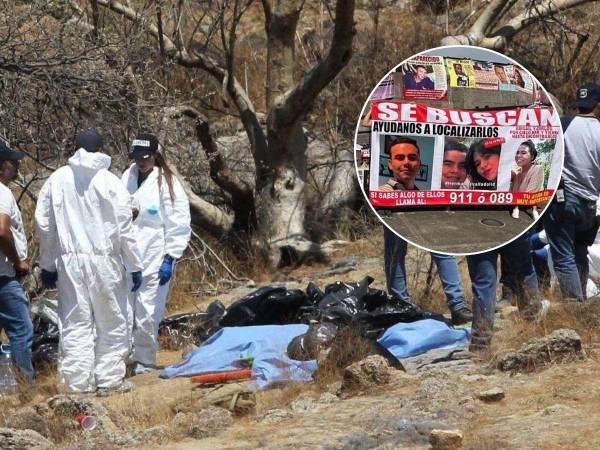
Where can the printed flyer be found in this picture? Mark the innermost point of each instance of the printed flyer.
(424, 77)
(424, 155)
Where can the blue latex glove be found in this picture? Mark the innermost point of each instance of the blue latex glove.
(166, 270)
(137, 280)
(49, 279)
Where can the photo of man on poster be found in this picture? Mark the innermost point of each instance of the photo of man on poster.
(501, 74)
(461, 76)
(454, 170)
(404, 164)
(418, 80)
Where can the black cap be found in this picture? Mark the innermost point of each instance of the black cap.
(588, 96)
(7, 153)
(143, 146)
(90, 140)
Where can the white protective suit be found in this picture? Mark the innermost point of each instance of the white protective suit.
(162, 227)
(83, 217)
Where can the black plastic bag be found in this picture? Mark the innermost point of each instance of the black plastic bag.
(307, 346)
(194, 326)
(268, 305)
(44, 346)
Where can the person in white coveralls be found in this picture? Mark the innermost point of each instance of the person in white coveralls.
(162, 228)
(87, 245)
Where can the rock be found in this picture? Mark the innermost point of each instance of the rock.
(557, 409)
(491, 395)
(136, 437)
(442, 358)
(360, 441)
(204, 423)
(410, 432)
(275, 416)
(68, 407)
(343, 266)
(445, 439)
(465, 400)
(328, 397)
(561, 346)
(28, 418)
(372, 371)
(23, 440)
(335, 388)
(182, 420)
(304, 404)
(209, 421)
(473, 378)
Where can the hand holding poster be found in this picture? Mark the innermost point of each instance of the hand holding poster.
(423, 155)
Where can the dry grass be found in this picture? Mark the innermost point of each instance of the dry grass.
(140, 410)
(347, 347)
(281, 397)
(584, 319)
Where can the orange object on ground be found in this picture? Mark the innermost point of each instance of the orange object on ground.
(221, 377)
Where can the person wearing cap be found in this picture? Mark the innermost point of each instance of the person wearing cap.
(14, 306)
(570, 221)
(87, 246)
(162, 228)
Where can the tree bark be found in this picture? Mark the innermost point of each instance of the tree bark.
(281, 175)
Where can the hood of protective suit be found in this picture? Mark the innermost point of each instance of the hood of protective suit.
(82, 159)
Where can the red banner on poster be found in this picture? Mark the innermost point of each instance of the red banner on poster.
(401, 198)
(390, 111)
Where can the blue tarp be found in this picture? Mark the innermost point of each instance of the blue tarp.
(266, 344)
(410, 339)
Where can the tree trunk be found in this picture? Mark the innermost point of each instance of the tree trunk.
(281, 199)
(281, 175)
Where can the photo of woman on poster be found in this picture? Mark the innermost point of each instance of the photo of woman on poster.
(482, 163)
(518, 78)
(529, 177)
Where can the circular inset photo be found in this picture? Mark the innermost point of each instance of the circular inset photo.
(459, 150)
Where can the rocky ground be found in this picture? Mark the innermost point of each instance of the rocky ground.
(537, 390)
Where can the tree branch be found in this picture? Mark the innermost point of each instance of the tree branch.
(294, 105)
(239, 96)
(500, 38)
(219, 172)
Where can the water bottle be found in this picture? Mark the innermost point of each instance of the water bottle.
(8, 381)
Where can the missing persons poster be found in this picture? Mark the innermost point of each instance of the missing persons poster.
(425, 155)
(486, 75)
(460, 72)
(424, 77)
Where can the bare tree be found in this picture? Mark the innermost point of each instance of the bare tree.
(273, 210)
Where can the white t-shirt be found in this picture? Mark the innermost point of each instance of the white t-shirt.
(581, 171)
(8, 206)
